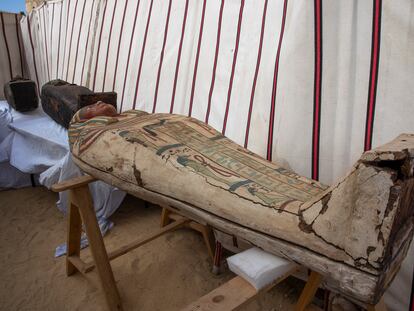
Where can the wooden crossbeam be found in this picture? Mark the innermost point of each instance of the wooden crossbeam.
(73, 183)
(85, 267)
(233, 294)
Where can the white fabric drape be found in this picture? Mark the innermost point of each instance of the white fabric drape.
(311, 84)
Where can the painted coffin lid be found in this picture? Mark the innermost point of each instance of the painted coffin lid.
(354, 221)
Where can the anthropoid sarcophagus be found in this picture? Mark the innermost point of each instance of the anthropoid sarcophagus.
(355, 233)
(61, 100)
(21, 94)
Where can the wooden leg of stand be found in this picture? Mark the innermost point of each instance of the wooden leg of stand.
(167, 216)
(309, 291)
(380, 306)
(100, 256)
(165, 219)
(73, 237)
(208, 236)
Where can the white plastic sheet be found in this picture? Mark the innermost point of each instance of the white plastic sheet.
(258, 267)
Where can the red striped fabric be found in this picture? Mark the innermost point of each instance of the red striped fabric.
(7, 45)
(317, 90)
(274, 89)
(200, 37)
(87, 40)
(58, 50)
(233, 66)
(77, 44)
(19, 41)
(177, 66)
(167, 22)
(119, 45)
(109, 44)
(373, 74)
(129, 54)
(213, 78)
(66, 37)
(33, 53)
(256, 72)
(51, 36)
(99, 46)
(45, 41)
(142, 54)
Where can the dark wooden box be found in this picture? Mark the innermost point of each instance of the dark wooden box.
(61, 100)
(21, 94)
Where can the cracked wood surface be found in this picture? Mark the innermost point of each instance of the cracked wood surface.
(362, 224)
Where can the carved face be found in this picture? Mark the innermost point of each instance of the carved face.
(97, 109)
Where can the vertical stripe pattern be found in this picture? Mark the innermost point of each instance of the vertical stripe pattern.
(200, 38)
(274, 89)
(129, 53)
(19, 41)
(119, 45)
(177, 66)
(77, 45)
(33, 53)
(58, 49)
(7, 45)
(167, 22)
(87, 41)
(66, 36)
(144, 43)
(317, 90)
(373, 73)
(99, 45)
(216, 54)
(109, 45)
(233, 66)
(256, 73)
(45, 40)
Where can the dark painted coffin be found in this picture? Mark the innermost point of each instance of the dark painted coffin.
(21, 94)
(61, 100)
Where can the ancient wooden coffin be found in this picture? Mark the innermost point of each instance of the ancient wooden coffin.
(21, 94)
(355, 232)
(61, 100)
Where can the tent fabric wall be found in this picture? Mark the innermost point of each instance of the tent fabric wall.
(311, 84)
(11, 49)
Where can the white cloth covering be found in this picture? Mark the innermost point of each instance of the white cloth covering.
(10, 176)
(258, 267)
(32, 143)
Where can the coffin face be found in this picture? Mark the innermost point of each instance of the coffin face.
(363, 223)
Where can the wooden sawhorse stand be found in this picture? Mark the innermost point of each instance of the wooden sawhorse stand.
(311, 287)
(81, 210)
(168, 216)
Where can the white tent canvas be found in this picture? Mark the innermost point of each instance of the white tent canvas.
(311, 84)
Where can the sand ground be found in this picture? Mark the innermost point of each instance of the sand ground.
(166, 274)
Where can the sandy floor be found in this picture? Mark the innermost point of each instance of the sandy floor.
(166, 274)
